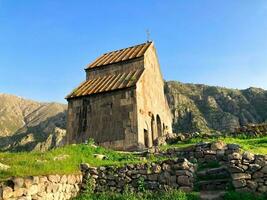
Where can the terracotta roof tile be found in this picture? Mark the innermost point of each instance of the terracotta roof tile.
(120, 55)
(107, 83)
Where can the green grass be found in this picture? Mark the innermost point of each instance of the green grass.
(37, 163)
(254, 145)
(244, 196)
(170, 195)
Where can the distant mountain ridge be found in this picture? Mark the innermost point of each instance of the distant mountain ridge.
(209, 109)
(30, 125)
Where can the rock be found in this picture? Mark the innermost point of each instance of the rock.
(4, 167)
(263, 189)
(180, 137)
(264, 169)
(84, 166)
(7, 192)
(160, 141)
(32, 190)
(238, 176)
(257, 175)
(248, 156)
(233, 146)
(234, 156)
(28, 182)
(183, 180)
(235, 169)
(239, 183)
(100, 156)
(18, 182)
(219, 145)
(54, 178)
(156, 169)
(61, 157)
(252, 185)
(254, 167)
(18, 192)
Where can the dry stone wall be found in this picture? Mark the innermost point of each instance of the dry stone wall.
(51, 187)
(176, 174)
(248, 171)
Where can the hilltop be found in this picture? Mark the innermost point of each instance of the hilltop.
(30, 125)
(209, 109)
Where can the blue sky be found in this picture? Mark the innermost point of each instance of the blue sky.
(45, 44)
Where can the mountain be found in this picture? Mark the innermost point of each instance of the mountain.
(209, 109)
(30, 125)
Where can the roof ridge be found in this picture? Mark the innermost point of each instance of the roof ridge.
(121, 80)
(120, 55)
(150, 42)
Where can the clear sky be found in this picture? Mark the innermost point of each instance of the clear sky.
(45, 44)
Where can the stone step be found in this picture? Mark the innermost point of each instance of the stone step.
(219, 172)
(212, 195)
(216, 184)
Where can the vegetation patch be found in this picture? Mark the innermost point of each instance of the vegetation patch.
(244, 195)
(146, 195)
(255, 145)
(64, 160)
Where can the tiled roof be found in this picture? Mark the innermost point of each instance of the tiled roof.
(107, 83)
(120, 55)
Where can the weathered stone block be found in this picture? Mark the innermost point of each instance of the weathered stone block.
(239, 183)
(238, 176)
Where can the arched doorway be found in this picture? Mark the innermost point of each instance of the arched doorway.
(153, 129)
(159, 128)
(146, 138)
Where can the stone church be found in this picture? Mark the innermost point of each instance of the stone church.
(121, 105)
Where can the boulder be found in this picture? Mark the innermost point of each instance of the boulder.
(248, 156)
(219, 145)
(100, 156)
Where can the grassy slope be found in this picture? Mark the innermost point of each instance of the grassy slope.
(254, 145)
(37, 163)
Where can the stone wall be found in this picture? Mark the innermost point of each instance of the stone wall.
(109, 118)
(154, 115)
(248, 171)
(252, 130)
(176, 174)
(51, 187)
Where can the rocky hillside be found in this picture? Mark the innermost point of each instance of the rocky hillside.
(30, 125)
(209, 109)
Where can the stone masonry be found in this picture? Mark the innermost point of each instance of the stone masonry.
(175, 174)
(121, 105)
(50, 187)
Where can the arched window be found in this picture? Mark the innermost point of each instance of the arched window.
(159, 128)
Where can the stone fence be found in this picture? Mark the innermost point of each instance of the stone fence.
(248, 171)
(51, 187)
(176, 174)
